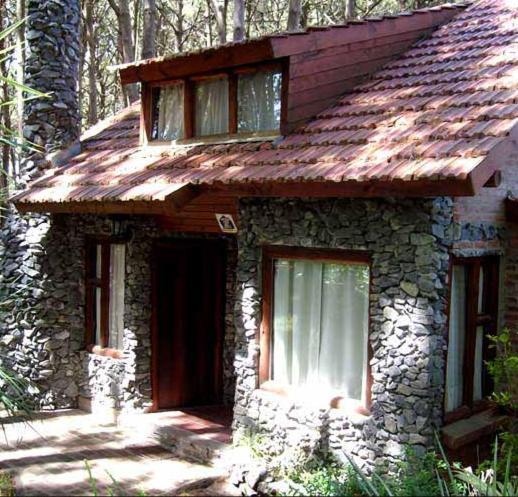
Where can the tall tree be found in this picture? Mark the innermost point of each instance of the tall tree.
(125, 41)
(239, 20)
(350, 9)
(89, 35)
(219, 8)
(149, 29)
(294, 15)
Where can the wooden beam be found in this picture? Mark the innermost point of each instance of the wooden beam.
(198, 63)
(397, 188)
(497, 158)
(494, 181)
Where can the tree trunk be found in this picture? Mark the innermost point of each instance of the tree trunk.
(294, 15)
(90, 36)
(220, 14)
(179, 32)
(239, 20)
(125, 34)
(350, 9)
(149, 29)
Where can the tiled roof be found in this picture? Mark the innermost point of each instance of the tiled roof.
(436, 113)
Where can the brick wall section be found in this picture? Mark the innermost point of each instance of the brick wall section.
(487, 210)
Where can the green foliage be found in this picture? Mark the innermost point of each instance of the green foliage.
(8, 136)
(326, 479)
(6, 485)
(414, 475)
(492, 481)
(504, 369)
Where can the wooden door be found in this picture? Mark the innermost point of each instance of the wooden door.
(189, 306)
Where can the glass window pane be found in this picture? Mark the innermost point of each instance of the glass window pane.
(98, 261)
(98, 292)
(480, 308)
(456, 339)
(259, 101)
(98, 274)
(478, 367)
(169, 124)
(211, 107)
(320, 325)
(116, 310)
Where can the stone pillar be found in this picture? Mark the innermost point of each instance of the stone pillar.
(52, 66)
(35, 329)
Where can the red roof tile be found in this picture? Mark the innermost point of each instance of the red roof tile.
(434, 113)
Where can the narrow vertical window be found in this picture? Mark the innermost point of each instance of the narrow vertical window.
(473, 315)
(211, 107)
(105, 278)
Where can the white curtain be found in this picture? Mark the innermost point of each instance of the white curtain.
(320, 325)
(456, 339)
(211, 114)
(170, 113)
(259, 101)
(116, 310)
(479, 340)
(98, 291)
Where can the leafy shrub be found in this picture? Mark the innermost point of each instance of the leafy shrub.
(326, 478)
(504, 369)
(416, 476)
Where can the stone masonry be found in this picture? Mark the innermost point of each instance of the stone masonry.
(39, 350)
(408, 241)
(108, 383)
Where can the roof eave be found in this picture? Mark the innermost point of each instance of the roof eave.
(495, 160)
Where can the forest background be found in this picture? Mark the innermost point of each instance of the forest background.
(121, 31)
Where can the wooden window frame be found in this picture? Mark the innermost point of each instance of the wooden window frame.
(149, 110)
(269, 255)
(91, 284)
(488, 319)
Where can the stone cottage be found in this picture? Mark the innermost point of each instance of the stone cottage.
(316, 229)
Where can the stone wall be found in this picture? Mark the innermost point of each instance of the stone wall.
(38, 301)
(54, 357)
(408, 241)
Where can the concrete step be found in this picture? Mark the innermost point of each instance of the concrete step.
(192, 446)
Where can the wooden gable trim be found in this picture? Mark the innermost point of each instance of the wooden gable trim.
(251, 52)
(362, 31)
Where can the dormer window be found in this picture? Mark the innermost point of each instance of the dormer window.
(169, 124)
(258, 101)
(244, 102)
(211, 107)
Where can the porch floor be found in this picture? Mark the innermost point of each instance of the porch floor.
(48, 456)
(209, 422)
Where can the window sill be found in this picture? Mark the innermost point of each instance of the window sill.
(105, 352)
(217, 139)
(469, 430)
(319, 399)
(464, 412)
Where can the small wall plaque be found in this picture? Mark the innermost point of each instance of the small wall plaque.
(226, 223)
